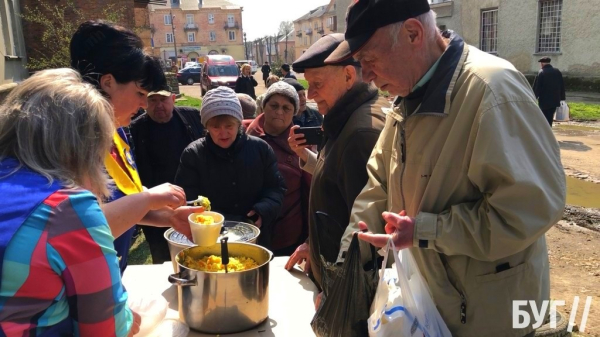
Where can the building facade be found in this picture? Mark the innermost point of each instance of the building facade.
(192, 29)
(521, 31)
(12, 46)
(314, 24)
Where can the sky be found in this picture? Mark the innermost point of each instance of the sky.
(262, 17)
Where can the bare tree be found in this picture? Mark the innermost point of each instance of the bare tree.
(285, 28)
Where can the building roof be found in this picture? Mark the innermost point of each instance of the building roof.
(315, 13)
(187, 5)
(290, 36)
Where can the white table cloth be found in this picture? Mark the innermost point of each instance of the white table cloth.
(291, 297)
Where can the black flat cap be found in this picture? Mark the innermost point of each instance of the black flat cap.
(315, 55)
(544, 59)
(366, 16)
(294, 84)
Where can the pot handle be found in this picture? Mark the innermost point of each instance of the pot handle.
(177, 280)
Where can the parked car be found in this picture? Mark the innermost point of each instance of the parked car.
(250, 62)
(189, 75)
(218, 70)
(192, 64)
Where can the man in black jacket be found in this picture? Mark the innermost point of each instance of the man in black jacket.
(549, 88)
(160, 136)
(266, 69)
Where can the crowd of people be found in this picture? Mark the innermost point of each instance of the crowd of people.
(448, 170)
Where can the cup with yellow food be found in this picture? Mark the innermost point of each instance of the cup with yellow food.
(206, 227)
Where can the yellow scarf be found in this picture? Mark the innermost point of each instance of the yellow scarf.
(126, 183)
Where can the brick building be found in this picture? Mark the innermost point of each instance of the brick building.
(196, 28)
(314, 24)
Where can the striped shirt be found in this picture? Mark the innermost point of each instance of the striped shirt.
(60, 270)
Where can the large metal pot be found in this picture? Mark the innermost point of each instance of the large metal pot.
(220, 303)
(236, 231)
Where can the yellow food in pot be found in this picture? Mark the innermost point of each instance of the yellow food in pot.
(213, 264)
(204, 219)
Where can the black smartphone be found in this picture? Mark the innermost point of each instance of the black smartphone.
(312, 134)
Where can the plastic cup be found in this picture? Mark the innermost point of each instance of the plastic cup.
(206, 235)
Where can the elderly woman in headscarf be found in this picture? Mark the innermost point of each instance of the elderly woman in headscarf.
(280, 105)
(236, 172)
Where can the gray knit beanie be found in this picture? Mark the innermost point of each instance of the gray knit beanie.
(220, 101)
(284, 89)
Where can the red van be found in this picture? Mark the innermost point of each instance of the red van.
(218, 70)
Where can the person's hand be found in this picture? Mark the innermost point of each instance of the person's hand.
(301, 254)
(135, 326)
(318, 300)
(296, 142)
(179, 219)
(399, 227)
(258, 222)
(167, 195)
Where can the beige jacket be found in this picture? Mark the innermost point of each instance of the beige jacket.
(482, 175)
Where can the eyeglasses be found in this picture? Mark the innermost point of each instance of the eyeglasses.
(286, 108)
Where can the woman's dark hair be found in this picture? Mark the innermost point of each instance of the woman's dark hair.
(100, 47)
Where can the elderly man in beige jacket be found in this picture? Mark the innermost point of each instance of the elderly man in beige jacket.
(466, 173)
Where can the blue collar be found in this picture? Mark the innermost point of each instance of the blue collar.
(436, 98)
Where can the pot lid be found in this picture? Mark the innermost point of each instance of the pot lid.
(236, 231)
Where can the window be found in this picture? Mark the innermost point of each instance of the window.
(230, 20)
(211, 18)
(231, 35)
(10, 23)
(549, 27)
(189, 19)
(169, 37)
(191, 37)
(305, 41)
(212, 36)
(330, 21)
(489, 31)
(168, 20)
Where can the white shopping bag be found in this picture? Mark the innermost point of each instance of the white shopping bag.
(562, 112)
(403, 306)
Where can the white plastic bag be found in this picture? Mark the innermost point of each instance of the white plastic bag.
(152, 311)
(562, 112)
(403, 306)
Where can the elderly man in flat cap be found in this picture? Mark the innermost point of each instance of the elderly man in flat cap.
(352, 124)
(549, 88)
(465, 174)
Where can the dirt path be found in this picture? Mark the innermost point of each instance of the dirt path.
(579, 147)
(575, 271)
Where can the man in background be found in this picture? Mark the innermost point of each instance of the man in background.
(549, 88)
(265, 69)
(160, 136)
(306, 116)
(287, 73)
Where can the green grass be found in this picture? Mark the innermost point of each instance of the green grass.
(304, 83)
(188, 101)
(139, 253)
(584, 111)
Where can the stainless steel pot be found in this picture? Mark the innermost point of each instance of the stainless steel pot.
(220, 303)
(237, 231)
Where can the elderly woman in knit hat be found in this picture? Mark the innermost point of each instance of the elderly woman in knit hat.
(280, 105)
(237, 172)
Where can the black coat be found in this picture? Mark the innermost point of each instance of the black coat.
(236, 180)
(245, 85)
(549, 87)
(140, 134)
(265, 71)
(351, 127)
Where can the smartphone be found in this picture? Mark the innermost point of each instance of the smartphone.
(312, 134)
